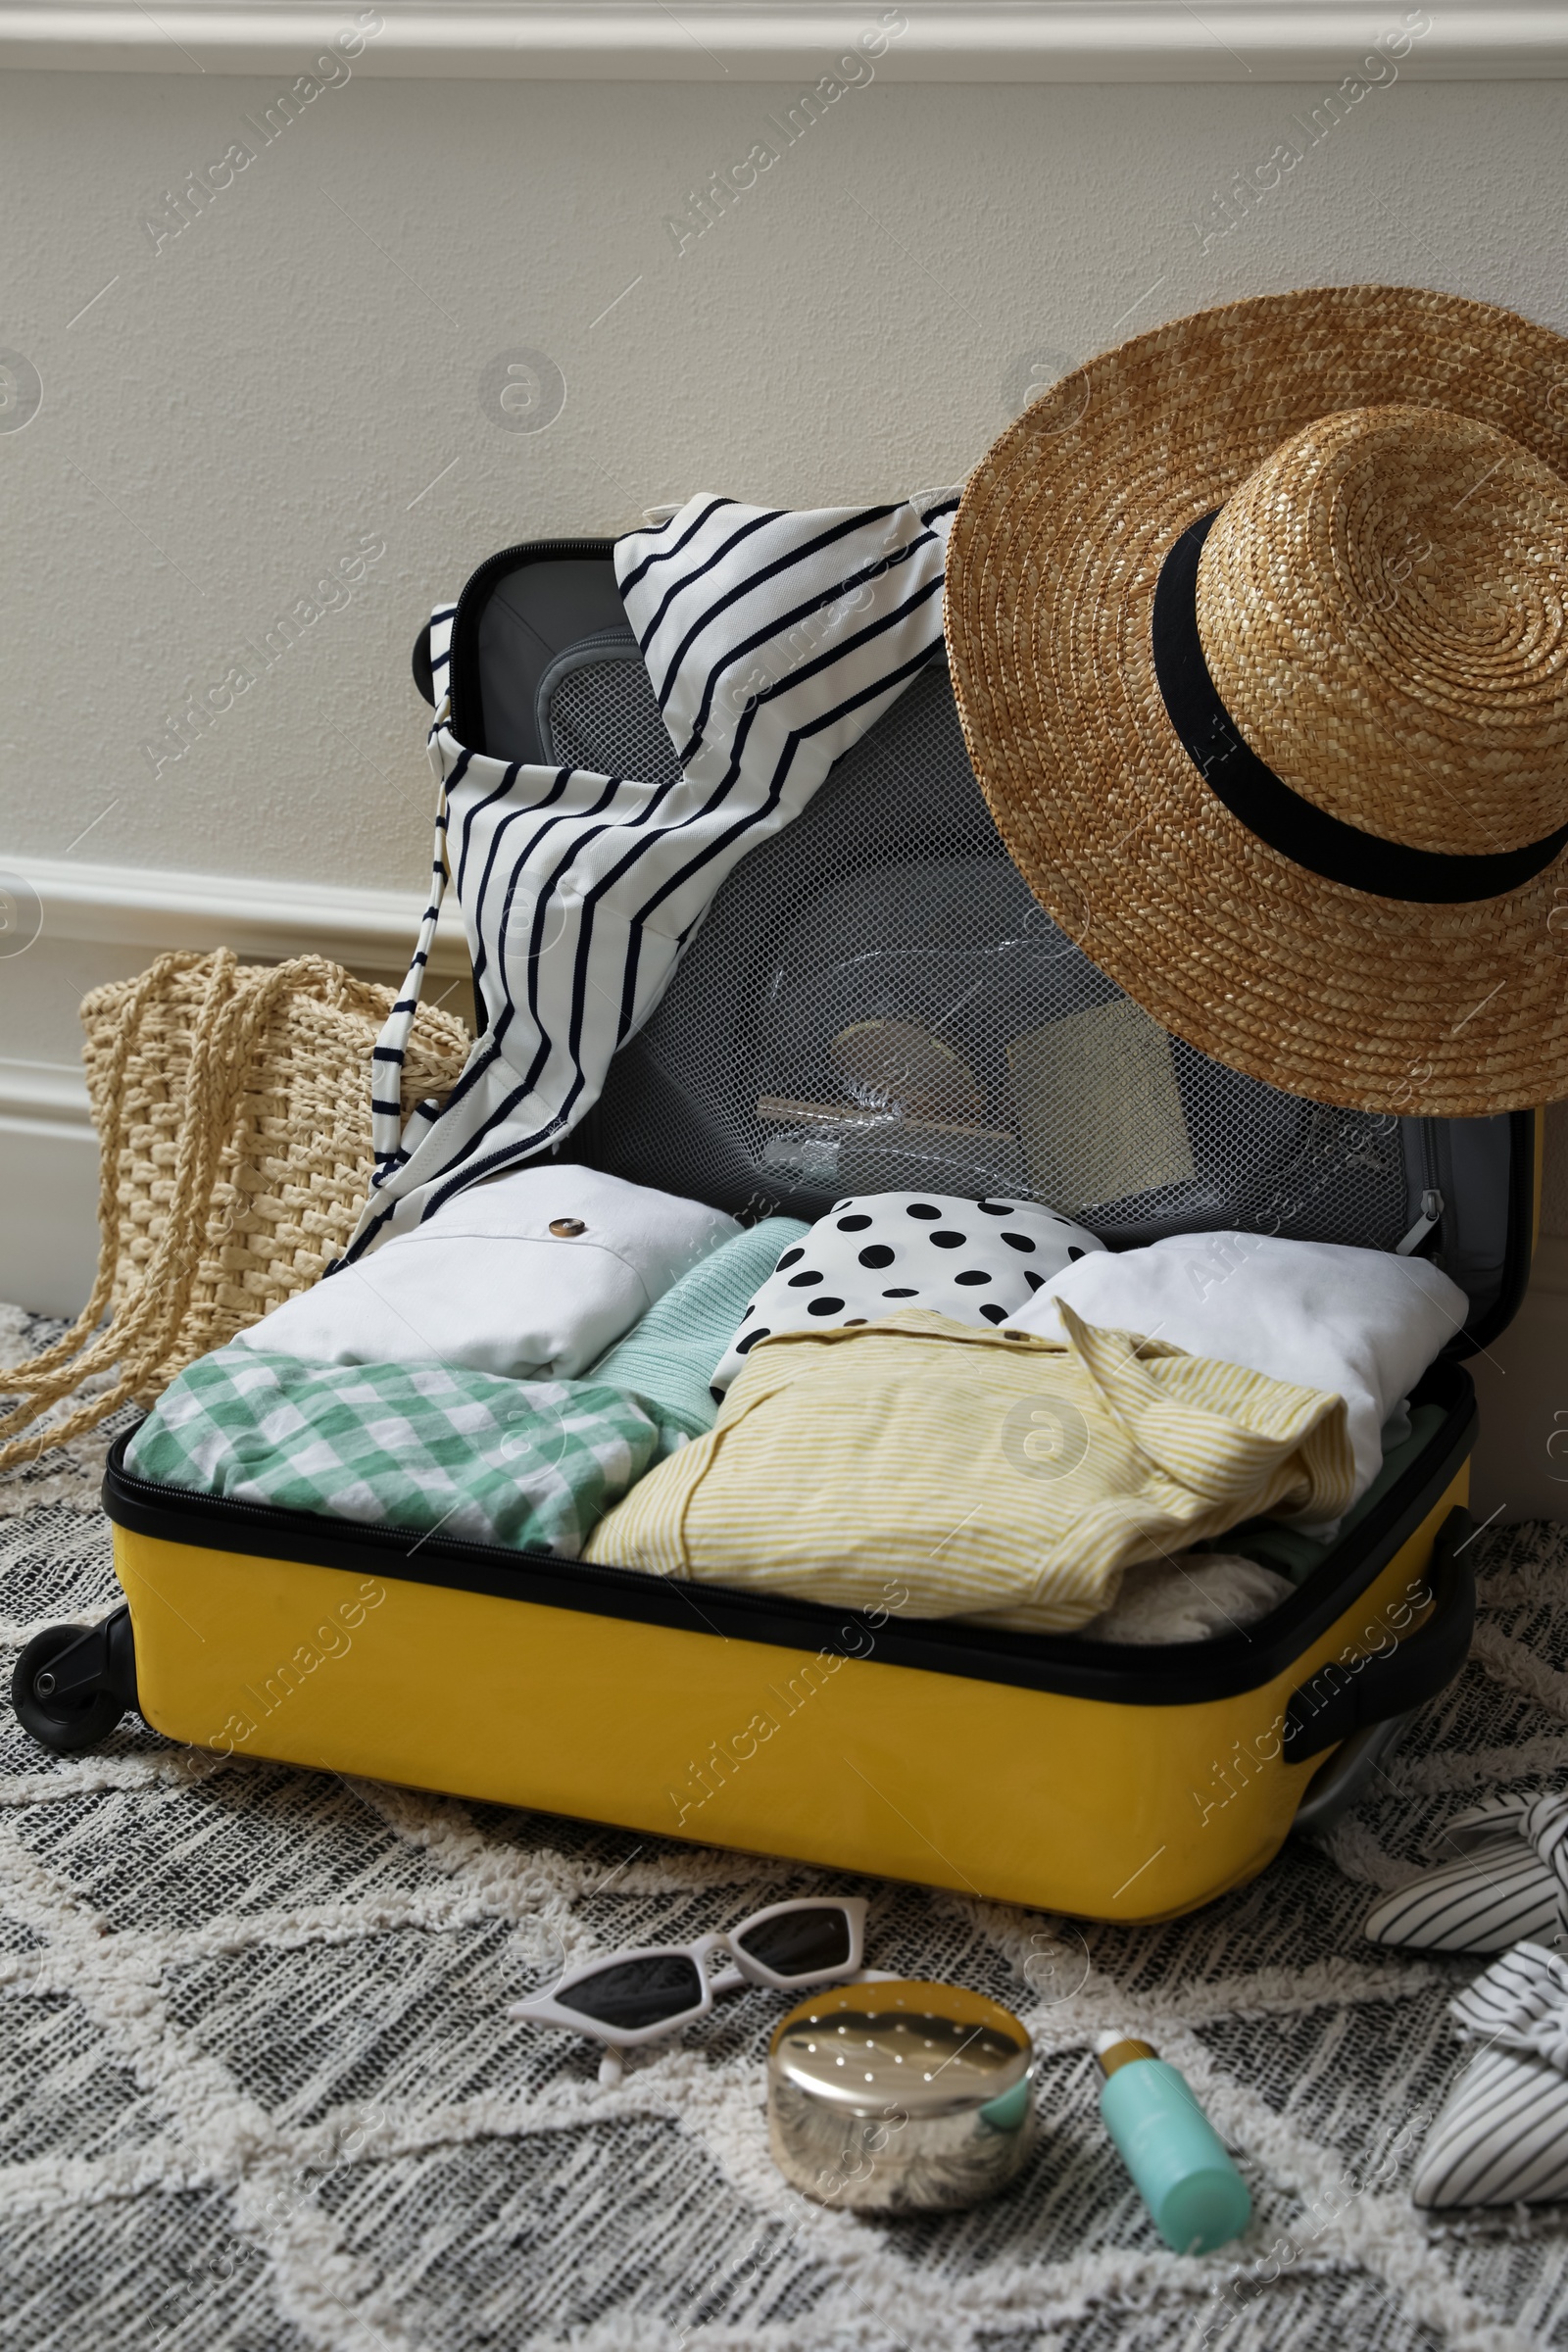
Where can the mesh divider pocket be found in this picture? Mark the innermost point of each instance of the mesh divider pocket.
(874, 1002)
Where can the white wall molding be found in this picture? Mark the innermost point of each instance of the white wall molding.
(132, 906)
(718, 40)
(44, 1094)
(49, 1184)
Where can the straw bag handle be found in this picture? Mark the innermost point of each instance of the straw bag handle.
(139, 1337)
(392, 1137)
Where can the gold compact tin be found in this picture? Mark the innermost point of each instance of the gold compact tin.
(899, 2097)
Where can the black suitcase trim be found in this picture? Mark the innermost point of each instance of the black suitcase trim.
(1178, 1674)
(1519, 1249)
(462, 677)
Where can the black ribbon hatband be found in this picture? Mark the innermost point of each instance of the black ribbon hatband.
(1268, 805)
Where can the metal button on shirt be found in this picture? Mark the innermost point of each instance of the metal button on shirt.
(899, 2096)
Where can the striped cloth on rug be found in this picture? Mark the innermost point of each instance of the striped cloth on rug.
(998, 1476)
(1509, 1882)
(1501, 2137)
(773, 640)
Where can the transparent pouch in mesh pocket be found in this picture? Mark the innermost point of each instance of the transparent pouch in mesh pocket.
(875, 1000)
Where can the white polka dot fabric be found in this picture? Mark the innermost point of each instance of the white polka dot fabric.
(978, 1262)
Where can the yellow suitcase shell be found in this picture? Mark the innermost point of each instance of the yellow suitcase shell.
(834, 1750)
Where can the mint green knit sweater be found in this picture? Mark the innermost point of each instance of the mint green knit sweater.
(670, 1358)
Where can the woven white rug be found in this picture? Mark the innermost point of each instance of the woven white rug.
(257, 2093)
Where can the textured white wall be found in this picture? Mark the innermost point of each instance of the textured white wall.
(278, 387)
(300, 384)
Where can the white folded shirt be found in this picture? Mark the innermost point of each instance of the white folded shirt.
(533, 1275)
(1362, 1324)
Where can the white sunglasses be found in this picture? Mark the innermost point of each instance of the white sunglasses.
(638, 1996)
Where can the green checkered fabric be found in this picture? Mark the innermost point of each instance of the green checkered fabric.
(423, 1446)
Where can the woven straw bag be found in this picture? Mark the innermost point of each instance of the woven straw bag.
(232, 1105)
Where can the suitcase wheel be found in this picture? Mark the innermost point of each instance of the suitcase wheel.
(72, 1683)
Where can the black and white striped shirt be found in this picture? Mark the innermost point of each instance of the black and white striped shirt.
(773, 641)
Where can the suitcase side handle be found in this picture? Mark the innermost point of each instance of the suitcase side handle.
(1344, 1697)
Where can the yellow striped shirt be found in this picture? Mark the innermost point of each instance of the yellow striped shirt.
(998, 1476)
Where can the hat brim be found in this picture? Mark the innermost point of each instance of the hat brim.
(1369, 1003)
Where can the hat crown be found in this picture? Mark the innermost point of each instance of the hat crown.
(1382, 606)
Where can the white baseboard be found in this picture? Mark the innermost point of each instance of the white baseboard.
(49, 1227)
(767, 40)
(42, 1093)
(158, 910)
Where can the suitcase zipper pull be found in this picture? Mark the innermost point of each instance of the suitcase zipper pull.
(1431, 1212)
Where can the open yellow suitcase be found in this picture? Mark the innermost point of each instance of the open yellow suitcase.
(1051, 1771)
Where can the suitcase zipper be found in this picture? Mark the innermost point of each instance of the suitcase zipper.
(509, 556)
(1430, 1218)
(1431, 1199)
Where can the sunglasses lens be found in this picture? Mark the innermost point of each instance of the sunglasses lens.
(637, 1992)
(800, 1943)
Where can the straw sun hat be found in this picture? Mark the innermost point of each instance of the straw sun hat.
(1258, 626)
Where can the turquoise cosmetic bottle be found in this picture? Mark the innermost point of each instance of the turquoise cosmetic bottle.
(1198, 2198)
